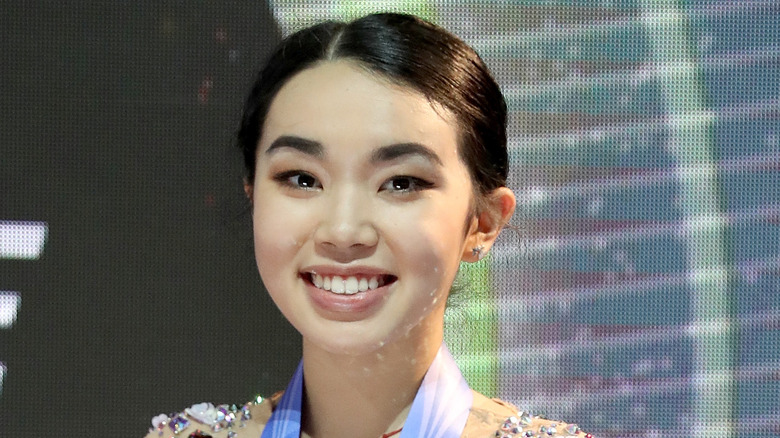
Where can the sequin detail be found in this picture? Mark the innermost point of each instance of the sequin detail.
(245, 413)
(178, 423)
(219, 418)
(526, 425)
(159, 422)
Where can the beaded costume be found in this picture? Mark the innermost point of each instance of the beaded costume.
(488, 418)
(444, 407)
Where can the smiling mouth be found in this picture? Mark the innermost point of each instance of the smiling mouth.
(348, 285)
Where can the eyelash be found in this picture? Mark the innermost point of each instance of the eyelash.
(286, 179)
(413, 184)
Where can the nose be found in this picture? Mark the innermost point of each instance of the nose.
(346, 228)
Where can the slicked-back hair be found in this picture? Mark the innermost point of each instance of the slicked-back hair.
(406, 51)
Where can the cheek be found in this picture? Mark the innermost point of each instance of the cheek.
(276, 236)
(431, 259)
(443, 228)
(432, 245)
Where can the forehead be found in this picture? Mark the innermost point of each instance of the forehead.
(339, 101)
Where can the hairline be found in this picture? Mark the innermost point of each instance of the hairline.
(331, 55)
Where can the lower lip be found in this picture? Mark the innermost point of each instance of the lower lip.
(344, 307)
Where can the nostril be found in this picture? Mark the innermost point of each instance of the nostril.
(348, 232)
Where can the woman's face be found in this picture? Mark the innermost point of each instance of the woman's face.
(360, 204)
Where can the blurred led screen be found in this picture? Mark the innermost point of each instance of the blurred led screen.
(638, 295)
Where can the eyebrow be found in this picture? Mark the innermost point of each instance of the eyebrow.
(383, 154)
(399, 150)
(308, 147)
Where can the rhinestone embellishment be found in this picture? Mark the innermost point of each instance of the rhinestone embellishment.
(178, 423)
(521, 426)
(221, 418)
(159, 422)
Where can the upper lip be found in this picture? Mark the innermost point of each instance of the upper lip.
(345, 271)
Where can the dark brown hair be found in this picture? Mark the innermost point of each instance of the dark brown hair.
(407, 51)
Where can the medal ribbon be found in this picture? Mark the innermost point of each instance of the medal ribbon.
(439, 410)
(285, 421)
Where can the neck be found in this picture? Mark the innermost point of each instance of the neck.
(363, 395)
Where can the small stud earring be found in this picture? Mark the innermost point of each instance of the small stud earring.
(478, 251)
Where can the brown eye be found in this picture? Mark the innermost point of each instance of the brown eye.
(304, 181)
(402, 184)
(405, 184)
(299, 180)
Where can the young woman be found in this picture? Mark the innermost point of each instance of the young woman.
(376, 162)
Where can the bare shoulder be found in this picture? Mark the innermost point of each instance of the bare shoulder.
(217, 421)
(496, 418)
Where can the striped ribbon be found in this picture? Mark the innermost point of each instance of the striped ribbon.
(439, 409)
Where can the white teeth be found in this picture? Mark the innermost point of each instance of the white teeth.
(337, 285)
(348, 286)
(351, 285)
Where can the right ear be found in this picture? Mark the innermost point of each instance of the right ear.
(249, 190)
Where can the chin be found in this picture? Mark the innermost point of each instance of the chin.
(354, 350)
(356, 340)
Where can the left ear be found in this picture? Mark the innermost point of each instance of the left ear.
(485, 227)
(249, 190)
